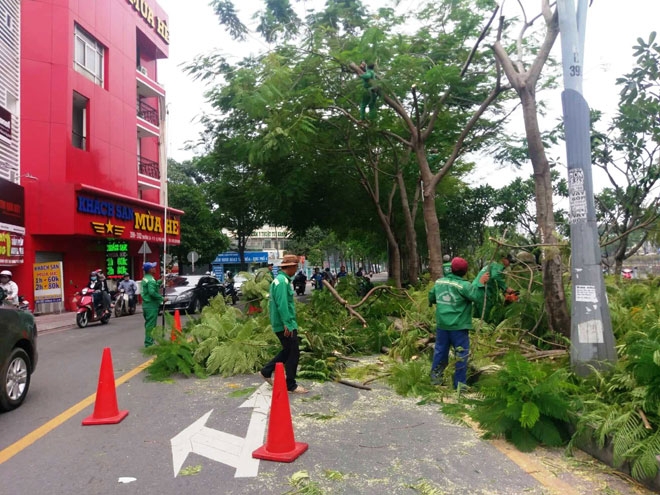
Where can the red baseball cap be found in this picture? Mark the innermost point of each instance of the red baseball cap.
(459, 265)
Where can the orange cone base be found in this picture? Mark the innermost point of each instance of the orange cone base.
(112, 420)
(292, 455)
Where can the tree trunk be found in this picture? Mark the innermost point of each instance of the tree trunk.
(432, 233)
(553, 285)
(411, 234)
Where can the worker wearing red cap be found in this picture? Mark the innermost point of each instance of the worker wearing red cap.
(453, 297)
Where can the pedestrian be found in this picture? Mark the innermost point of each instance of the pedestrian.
(342, 272)
(282, 311)
(453, 297)
(327, 275)
(151, 302)
(446, 265)
(495, 284)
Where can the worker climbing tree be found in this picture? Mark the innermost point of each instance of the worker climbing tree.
(371, 91)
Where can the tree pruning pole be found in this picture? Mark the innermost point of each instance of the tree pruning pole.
(592, 339)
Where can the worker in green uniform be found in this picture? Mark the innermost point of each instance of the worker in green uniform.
(151, 302)
(446, 265)
(495, 284)
(282, 310)
(453, 298)
(370, 94)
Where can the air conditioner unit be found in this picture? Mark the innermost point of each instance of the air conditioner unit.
(143, 70)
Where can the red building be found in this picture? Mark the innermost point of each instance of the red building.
(93, 158)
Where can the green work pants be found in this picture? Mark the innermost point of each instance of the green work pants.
(150, 314)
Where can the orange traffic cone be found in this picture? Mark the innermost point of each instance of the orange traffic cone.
(106, 411)
(280, 444)
(177, 324)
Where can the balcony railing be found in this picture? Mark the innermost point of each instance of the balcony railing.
(148, 167)
(147, 112)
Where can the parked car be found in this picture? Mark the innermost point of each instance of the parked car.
(190, 293)
(238, 282)
(18, 356)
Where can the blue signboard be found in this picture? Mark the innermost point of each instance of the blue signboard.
(233, 257)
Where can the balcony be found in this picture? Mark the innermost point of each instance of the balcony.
(147, 112)
(148, 168)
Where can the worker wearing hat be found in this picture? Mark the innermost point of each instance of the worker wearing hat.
(453, 297)
(495, 284)
(282, 311)
(151, 302)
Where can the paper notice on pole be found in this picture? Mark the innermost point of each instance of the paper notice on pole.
(576, 196)
(586, 293)
(590, 332)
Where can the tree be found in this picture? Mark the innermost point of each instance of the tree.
(524, 79)
(237, 192)
(199, 230)
(629, 154)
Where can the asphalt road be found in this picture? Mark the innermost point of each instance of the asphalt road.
(360, 442)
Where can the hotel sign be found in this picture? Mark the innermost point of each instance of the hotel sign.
(115, 220)
(145, 11)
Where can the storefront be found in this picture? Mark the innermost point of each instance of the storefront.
(95, 229)
(232, 261)
(12, 224)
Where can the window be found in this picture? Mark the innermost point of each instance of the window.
(88, 55)
(79, 126)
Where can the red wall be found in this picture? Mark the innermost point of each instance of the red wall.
(48, 80)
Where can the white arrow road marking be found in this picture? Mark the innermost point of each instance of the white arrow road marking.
(223, 447)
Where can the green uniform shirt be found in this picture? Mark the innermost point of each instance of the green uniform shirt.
(453, 298)
(368, 75)
(496, 281)
(281, 306)
(151, 291)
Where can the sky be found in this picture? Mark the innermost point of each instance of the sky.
(612, 29)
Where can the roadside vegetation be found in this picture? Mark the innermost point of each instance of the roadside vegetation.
(520, 388)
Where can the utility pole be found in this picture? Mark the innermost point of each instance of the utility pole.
(592, 340)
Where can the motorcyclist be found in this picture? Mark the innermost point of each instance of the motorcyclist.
(230, 289)
(317, 278)
(10, 288)
(300, 280)
(130, 287)
(105, 290)
(95, 284)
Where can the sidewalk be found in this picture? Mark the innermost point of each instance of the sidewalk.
(58, 321)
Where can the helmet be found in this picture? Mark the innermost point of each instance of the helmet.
(229, 274)
(93, 274)
(6, 273)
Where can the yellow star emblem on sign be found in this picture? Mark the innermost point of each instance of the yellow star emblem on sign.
(108, 228)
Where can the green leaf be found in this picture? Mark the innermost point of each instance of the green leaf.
(529, 415)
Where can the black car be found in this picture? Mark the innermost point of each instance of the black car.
(190, 293)
(18, 355)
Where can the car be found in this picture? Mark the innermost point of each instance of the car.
(18, 355)
(190, 293)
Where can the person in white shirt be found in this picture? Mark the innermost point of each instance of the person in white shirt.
(10, 287)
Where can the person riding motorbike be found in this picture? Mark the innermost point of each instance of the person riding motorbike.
(299, 282)
(105, 290)
(96, 285)
(10, 288)
(130, 287)
(230, 289)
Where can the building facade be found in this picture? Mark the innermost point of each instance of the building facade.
(93, 157)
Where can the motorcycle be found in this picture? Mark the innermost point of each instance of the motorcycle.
(87, 311)
(299, 285)
(123, 304)
(23, 304)
(230, 293)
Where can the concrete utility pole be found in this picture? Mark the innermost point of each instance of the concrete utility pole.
(592, 340)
